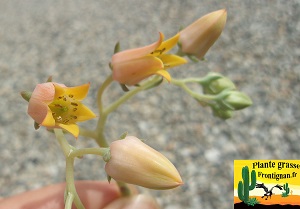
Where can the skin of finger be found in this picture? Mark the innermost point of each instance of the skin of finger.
(134, 202)
(94, 195)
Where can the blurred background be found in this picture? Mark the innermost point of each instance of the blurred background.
(73, 41)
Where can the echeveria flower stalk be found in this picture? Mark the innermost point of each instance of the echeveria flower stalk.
(134, 162)
(54, 105)
(216, 83)
(198, 37)
(133, 65)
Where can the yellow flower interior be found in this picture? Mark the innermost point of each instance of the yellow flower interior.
(64, 109)
(158, 52)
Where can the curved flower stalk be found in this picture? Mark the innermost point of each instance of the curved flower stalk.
(133, 65)
(197, 38)
(54, 105)
(134, 162)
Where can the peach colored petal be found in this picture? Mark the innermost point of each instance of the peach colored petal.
(37, 110)
(44, 92)
(137, 52)
(133, 71)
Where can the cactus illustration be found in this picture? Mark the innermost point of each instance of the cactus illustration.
(252, 201)
(244, 187)
(287, 190)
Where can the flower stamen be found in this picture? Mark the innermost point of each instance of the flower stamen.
(159, 51)
(63, 109)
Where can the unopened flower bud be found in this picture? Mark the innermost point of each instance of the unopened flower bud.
(134, 162)
(223, 114)
(198, 37)
(237, 100)
(218, 85)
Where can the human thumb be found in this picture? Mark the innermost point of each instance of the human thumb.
(133, 202)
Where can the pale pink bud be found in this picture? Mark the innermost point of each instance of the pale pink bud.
(198, 37)
(134, 162)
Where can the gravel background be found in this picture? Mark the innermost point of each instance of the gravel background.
(73, 41)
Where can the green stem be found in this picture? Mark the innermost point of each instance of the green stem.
(100, 139)
(62, 142)
(99, 132)
(67, 150)
(89, 151)
(70, 182)
(190, 80)
(87, 133)
(130, 94)
(105, 84)
(69, 200)
(180, 52)
(208, 99)
(125, 191)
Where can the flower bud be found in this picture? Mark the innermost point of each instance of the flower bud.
(237, 100)
(198, 37)
(218, 85)
(223, 114)
(134, 162)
